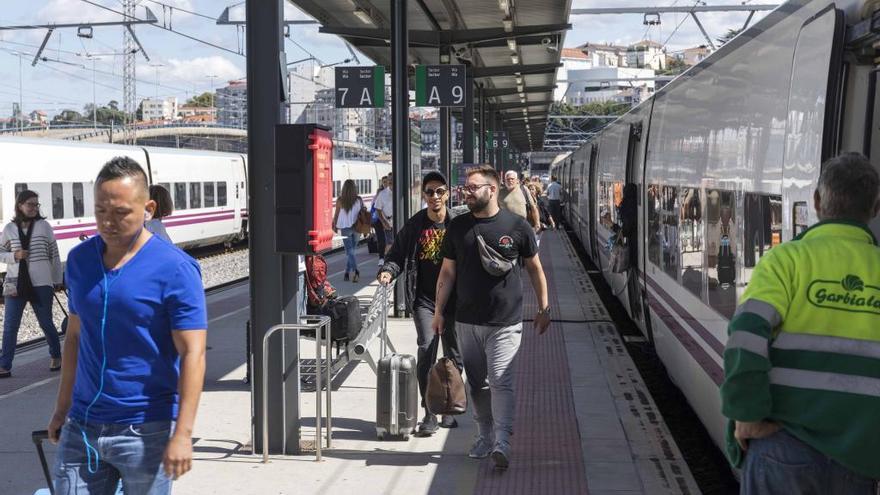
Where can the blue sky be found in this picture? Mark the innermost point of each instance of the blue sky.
(183, 65)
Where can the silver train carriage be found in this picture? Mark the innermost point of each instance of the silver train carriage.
(725, 158)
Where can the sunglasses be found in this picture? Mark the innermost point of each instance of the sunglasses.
(472, 188)
(440, 191)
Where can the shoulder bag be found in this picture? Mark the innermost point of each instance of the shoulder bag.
(364, 223)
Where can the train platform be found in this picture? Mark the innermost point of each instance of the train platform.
(585, 421)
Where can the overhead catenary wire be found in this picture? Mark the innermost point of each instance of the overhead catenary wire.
(179, 33)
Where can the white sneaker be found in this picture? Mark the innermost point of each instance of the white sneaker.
(381, 261)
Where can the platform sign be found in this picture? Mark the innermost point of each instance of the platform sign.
(360, 87)
(499, 140)
(440, 85)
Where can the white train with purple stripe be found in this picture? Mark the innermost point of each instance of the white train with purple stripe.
(209, 189)
(725, 159)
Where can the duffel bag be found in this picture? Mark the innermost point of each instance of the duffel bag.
(446, 392)
(345, 317)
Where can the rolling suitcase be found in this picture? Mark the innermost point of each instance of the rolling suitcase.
(397, 392)
(39, 437)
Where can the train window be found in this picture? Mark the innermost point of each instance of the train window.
(721, 244)
(763, 228)
(610, 196)
(79, 209)
(655, 247)
(195, 194)
(57, 200)
(800, 214)
(692, 240)
(19, 187)
(166, 185)
(180, 195)
(221, 194)
(666, 234)
(209, 194)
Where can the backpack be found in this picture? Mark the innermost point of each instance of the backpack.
(318, 288)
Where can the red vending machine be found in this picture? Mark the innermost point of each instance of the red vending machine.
(303, 189)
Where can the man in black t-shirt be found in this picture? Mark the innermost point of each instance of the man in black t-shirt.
(416, 253)
(488, 310)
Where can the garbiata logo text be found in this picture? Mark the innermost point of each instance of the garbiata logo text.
(849, 294)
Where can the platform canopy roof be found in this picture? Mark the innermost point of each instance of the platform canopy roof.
(513, 47)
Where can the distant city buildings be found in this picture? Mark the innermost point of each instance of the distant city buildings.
(646, 54)
(609, 84)
(162, 109)
(693, 56)
(232, 104)
(595, 72)
(190, 113)
(38, 117)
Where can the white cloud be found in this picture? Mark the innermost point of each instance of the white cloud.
(196, 69)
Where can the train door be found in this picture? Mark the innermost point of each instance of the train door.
(634, 170)
(592, 201)
(240, 194)
(813, 123)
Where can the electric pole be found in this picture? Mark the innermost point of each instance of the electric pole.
(129, 88)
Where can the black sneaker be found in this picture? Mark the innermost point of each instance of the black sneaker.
(429, 426)
(448, 421)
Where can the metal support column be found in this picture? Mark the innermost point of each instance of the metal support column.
(400, 133)
(467, 119)
(482, 136)
(273, 293)
(445, 126)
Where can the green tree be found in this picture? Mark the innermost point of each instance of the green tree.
(593, 108)
(205, 99)
(674, 67)
(67, 116)
(729, 35)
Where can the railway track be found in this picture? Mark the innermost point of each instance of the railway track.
(202, 255)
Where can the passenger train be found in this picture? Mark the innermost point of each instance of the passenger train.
(725, 159)
(209, 189)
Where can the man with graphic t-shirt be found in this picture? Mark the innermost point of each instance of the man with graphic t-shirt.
(416, 253)
(481, 252)
(134, 356)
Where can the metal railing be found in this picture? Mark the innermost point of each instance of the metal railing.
(321, 326)
(375, 326)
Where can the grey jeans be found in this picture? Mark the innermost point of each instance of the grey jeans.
(488, 354)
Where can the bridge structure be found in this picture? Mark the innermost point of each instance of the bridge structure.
(185, 135)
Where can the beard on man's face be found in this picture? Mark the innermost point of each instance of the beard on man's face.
(478, 204)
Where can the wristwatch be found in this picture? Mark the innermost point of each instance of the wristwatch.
(545, 311)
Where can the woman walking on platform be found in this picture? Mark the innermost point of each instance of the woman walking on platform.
(33, 271)
(164, 208)
(348, 205)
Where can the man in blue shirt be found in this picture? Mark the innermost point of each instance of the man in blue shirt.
(134, 355)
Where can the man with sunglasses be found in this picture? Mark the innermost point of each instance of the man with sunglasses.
(416, 253)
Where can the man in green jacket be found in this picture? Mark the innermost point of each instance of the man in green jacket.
(802, 361)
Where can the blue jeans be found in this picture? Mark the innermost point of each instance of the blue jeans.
(350, 241)
(782, 464)
(132, 453)
(41, 302)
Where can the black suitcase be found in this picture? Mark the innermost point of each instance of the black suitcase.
(345, 317)
(397, 397)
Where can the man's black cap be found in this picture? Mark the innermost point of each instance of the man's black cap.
(434, 176)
